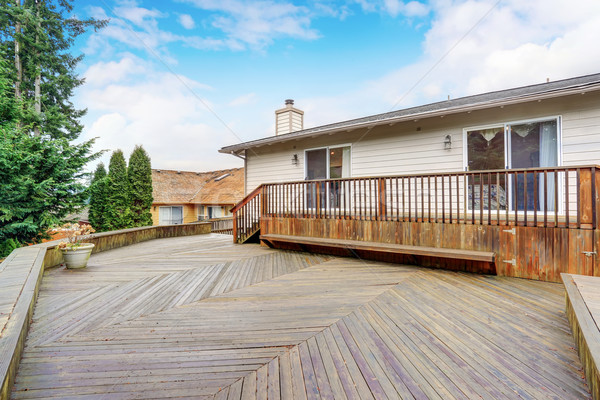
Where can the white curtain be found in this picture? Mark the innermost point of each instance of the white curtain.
(548, 158)
(346, 162)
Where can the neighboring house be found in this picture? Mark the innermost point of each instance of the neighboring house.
(550, 124)
(504, 182)
(184, 197)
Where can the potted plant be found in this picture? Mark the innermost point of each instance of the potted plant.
(75, 253)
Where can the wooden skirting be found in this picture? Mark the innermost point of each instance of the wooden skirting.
(21, 274)
(522, 252)
(585, 332)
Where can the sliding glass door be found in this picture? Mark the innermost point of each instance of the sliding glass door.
(529, 144)
(316, 169)
(534, 145)
(326, 163)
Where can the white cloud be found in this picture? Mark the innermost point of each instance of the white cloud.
(256, 24)
(518, 43)
(245, 99)
(157, 111)
(415, 9)
(138, 15)
(187, 21)
(103, 73)
(395, 7)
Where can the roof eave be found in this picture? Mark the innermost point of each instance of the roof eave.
(238, 148)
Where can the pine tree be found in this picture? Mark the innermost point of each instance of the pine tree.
(40, 178)
(139, 174)
(35, 36)
(118, 212)
(98, 199)
(40, 169)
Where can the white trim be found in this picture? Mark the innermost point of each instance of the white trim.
(479, 127)
(507, 153)
(327, 168)
(306, 163)
(337, 146)
(507, 144)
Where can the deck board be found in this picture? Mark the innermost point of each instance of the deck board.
(199, 317)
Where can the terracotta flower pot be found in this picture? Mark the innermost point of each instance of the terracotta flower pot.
(78, 256)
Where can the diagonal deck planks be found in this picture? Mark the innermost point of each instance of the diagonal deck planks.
(244, 322)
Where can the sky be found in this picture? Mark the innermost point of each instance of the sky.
(184, 78)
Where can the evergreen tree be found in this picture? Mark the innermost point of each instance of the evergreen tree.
(40, 170)
(117, 211)
(139, 174)
(40, 179)
(98, 199)
(41, 184)
(35, 37)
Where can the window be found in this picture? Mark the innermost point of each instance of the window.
(214, 212)
(526, 144)
(326, 163)
(170, 215)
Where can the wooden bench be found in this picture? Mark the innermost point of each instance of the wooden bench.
(459, 254)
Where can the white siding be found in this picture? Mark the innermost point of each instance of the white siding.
(418, 146)
(271, 164)
(581, 135)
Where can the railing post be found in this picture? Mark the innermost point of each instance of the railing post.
(262, 207)
(585, 204)
(318, 199)
(235, 227)
(596, 197)
(382, 208)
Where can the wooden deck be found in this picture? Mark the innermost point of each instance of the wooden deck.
(199, 317)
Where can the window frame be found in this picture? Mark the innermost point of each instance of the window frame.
(507, 151)
(507, 143)
(171, 219)
(337, 146)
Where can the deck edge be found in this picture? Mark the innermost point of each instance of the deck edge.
(12, 342)
(585, 333)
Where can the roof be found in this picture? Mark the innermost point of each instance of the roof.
(486, 100)
(183, 187)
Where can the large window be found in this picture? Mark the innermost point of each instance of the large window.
(326, 163)
(524, 144)
(170, 215)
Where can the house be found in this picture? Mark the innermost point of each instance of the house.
(184, 197)
(550, 124)
(511, 173)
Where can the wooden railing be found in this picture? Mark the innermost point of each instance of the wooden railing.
(222, 225)
(543, 197)
(246, 216)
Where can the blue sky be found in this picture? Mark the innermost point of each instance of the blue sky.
(186, 77)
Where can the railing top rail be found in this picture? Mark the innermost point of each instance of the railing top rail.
(246, 199)
(434, 174)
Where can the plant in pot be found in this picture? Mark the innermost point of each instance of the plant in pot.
(75, 253)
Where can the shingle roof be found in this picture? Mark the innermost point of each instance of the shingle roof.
(480, 101)
(184, 187)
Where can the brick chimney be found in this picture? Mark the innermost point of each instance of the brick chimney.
(288, 119)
